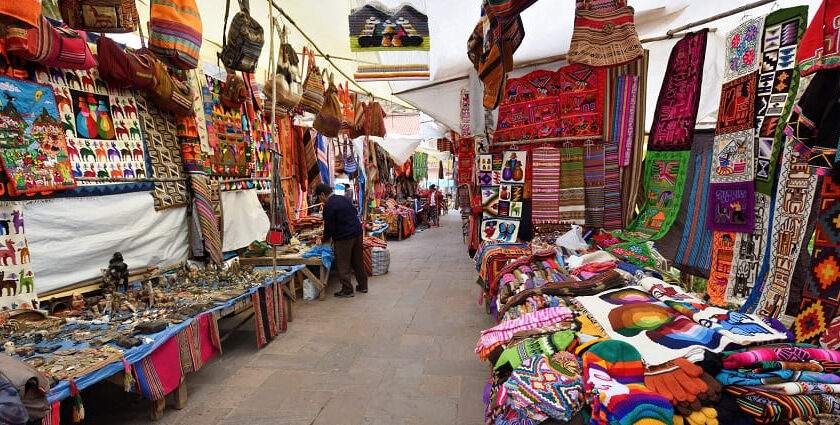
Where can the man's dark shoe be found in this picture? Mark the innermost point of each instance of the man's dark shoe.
(344, 294)
(360, 289)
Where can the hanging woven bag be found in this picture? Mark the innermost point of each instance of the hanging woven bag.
(112, 16)
(175, 32)
(243, 45)
(604, 37)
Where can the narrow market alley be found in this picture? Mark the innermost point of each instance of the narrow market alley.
(400, 355)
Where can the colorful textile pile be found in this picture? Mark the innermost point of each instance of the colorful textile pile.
(615, 387)
(545, 387)
(496, 336)
(206, 216)
(545, 186)
(34, 150)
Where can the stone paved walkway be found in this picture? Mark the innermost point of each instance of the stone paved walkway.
(400, 355)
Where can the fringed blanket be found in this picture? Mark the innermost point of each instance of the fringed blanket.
(612, 188)
(546, 186)
(572, 192)
(593, 173)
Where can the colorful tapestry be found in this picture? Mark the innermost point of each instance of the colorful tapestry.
(164, 154)
(572, 186)
(396, 72)
(748, 253)
(545, 190)
(821, 294)
(664, 323)
(529, 108)
(734, 157)
(101, 126)
(664, 181)
(689, 242)
(819, 49)
(795, 196)
(731, 207)
(593, 174)
(228, 134)
(737, 105)
(625, 97)
(373, 27)
(743, 48)
(679, 97)
(464, 119)
(580, 92)
(512, 189)
(32, 143)
(17, 281)
(723, 251)
(778, 83)
(612, 188)
(466, 160)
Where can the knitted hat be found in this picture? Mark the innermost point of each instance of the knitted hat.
(543, 388)
(547, 345)
(614, 376)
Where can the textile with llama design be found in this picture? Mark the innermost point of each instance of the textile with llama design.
(101, 125)
(32, 145)
(17, 282)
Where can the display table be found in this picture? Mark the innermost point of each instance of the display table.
(151, 363)
(320, 281)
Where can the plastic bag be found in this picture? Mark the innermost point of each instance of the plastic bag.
(573, 239)
(310, 291)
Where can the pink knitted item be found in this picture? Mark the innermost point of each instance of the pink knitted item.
(501, 333)
(790, 354)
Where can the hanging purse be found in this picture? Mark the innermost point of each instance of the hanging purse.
(604, 37)
(234, 91)
(242, 47)
(312, 97)
(124, 68)
(116, 16)
(287, 78)
(169, 93)
(328, 120)
(58, 47)
(349, 157)
(175, 32)
(374, 119)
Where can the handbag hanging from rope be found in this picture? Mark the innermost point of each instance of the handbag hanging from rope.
(279, 233)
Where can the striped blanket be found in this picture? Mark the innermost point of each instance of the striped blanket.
(546, 186)
(593, 173)
(612, 188)
(572, 193)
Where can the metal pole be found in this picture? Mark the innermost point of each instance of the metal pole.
(276, 137)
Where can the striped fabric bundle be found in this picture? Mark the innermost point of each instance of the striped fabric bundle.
(209, 225)
(501, 333)
(572, 194)
(593, 173)
(770, 407)
(612, 188)
(175, 32)
(545, 192)
(625, 96)
(399, 72)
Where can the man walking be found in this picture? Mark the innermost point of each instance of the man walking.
(342, 225)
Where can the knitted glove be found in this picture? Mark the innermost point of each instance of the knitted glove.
(714, 389)
(677, 381)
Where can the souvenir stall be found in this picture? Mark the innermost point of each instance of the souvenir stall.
(119, 141)
(603, 231)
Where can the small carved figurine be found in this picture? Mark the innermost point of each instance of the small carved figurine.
(118, 271)
(78, 304)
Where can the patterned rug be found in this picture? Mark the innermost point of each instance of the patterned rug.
(748, 253)
(31, 129)
(17, 281)
(723, 250)
(821, 294)
(546, 186)
(679, 97)
(664, 181)
(612, 188)
(689, 242)
(593, 174)
(230, 141)
(572, 191)
(778, 83)
(164, 154)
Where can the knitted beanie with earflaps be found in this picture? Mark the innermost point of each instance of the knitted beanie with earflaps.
(614, 377)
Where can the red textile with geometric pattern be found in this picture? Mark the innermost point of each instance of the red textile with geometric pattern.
(821, 294)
